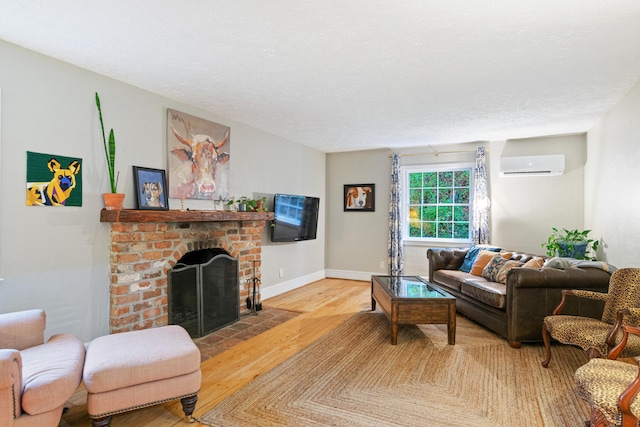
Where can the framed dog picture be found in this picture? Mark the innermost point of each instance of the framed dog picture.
(359, 197)
(150, 185)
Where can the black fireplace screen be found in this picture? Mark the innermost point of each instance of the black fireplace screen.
(204, 291)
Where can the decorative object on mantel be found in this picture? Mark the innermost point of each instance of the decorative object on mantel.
(50, 184)
(113, 200)
(246, 204)
(149, 186)
(198, 168)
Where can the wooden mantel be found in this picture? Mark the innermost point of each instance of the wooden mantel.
(134, 215)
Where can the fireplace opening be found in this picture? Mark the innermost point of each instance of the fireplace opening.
(204, 291)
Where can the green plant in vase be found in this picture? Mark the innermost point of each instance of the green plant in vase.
(571, 244)
(110, 154)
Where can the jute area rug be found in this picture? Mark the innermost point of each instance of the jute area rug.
(353, 376)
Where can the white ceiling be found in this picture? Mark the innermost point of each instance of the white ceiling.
(342, 75)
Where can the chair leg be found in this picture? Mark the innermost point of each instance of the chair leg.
(188, 406)
(101, 422)
(546, 337)
(592, 353)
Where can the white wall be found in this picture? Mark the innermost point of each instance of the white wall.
(523, 209)
(612, 178)
(58, 258)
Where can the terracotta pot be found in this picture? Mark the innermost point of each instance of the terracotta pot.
(113, 201)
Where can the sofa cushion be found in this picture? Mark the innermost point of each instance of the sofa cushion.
(490, 293)
(450, 278)
(471, 255)
(481, 262)
(51, 373)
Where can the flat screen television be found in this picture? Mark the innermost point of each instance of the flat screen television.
(295, 218)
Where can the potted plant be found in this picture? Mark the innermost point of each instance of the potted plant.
(113, 200)
(571, 244)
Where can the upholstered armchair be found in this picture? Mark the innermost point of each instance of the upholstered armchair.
(36, 378)
(598, 336)
(611, 386)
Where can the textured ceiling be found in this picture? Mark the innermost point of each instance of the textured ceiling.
(356, 74)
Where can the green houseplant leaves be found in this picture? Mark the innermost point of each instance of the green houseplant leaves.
(571, 244)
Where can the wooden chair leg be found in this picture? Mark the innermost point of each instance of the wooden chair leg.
(101, 422)
(546, 337)
(188, 406)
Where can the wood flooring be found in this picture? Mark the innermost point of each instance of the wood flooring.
(324, 305)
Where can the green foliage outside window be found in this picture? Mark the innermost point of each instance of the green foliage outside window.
(439, 204)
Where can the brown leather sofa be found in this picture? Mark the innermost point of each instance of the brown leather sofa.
(515, 310)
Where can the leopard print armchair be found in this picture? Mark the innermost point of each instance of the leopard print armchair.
(598, 336)
(610, 386)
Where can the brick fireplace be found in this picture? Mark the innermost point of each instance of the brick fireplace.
(144, 245)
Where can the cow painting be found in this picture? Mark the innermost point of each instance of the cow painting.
(196, 158)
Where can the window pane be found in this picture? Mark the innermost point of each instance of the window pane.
(445, 179)
(461, 213)
(414, 213)
(429, 213)
(415, 196)
(430, 196)
(429, 229)
(430, 179)
(445, 195)
(445, 213)
(414, 229)
(461, 195)
(461, 230)
(415, 180)
(445, 230)
(462, 178)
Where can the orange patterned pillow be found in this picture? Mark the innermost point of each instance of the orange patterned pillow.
(535, 262)
(481, 262)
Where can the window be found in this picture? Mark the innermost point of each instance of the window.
(438, 202)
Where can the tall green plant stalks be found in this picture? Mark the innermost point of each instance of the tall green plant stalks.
(109, 151)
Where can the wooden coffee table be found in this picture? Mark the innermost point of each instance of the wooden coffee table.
(414, 301)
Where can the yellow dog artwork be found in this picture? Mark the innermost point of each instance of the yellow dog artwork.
(56, 191)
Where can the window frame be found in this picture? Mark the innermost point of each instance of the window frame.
(442, 167)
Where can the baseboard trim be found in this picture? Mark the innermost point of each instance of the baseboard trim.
(281, 288)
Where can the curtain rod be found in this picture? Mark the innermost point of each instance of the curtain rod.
(437, 153)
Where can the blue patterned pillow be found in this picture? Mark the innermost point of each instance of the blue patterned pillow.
(498, 267)
(471, 255)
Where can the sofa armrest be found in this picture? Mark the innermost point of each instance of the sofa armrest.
(445, 259)
(10, 386)
(22, 329)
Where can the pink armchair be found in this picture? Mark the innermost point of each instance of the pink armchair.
(36, 378)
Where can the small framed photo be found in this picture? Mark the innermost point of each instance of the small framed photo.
(150, 185)
(359, 197)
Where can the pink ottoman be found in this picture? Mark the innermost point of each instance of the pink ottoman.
(133, 370)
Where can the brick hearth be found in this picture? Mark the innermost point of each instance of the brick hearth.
(144, 245)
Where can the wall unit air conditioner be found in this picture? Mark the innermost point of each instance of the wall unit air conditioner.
(546, 165)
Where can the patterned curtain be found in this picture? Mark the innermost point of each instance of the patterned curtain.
(396, 255)
(481, 202)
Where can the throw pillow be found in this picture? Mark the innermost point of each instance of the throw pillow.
(535, 262)
(490, 271)
(471, 255)
(557, 262)
(501, 277)
(482, 259)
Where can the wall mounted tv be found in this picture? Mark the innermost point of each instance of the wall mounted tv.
(295, 218)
